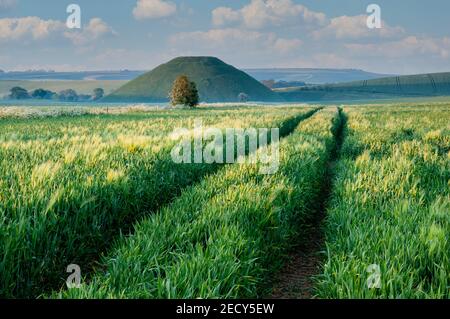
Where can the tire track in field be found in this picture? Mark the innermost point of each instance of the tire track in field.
(296, 279)
(287, 127)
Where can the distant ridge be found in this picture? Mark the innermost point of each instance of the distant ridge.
(313, 75)
(420, 85)
(216, 82)
(121, 75)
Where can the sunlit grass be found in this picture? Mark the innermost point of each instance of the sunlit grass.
(70, 185)
(226, 236)
(391, 206)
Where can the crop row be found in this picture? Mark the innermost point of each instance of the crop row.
(388, 225)
(225, 236)
(69, 186)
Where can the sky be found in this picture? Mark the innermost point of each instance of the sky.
(140, 34)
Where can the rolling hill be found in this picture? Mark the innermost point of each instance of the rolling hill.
(313, 76)
(216, 82)
(421, 85)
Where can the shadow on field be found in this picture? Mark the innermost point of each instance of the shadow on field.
(82, 226)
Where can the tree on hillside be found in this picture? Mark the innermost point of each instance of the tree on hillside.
(184, 92)
(18, 93)
(42, 94)
(98, 94)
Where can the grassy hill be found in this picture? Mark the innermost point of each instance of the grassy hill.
(421, 85)
(216, 82)
(313, 76)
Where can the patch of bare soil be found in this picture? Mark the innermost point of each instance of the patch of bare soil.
(295, 281)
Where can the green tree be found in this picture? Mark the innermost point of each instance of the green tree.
(68, 95)
(98, 94)
(18, 93)
(184, 92)
(243, 97)
(42, 94)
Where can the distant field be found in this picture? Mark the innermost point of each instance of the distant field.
(313, 76)
(82, 87)
(421, 85)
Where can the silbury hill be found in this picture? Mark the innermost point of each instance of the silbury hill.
(216, 82)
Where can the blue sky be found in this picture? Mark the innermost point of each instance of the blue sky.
(140, 34)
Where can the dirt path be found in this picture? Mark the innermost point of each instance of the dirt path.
(296, 279)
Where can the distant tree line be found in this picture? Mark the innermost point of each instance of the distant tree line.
(69, 95)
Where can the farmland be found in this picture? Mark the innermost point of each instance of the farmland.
(101, 190)
(391, 205)
(412, 86)
(76, 182)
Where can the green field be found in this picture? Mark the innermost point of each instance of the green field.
(81, 86)
(101, 190)
(391, 205)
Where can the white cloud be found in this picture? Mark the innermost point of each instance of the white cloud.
(35, 29)
(318, 60)
(223, 15)
(406, 47)
(114, 56)
(4, 59)
(235, 40)
(154, 9)
(26, 28)
(7, 4)
(355, 27)
(126, 58)
(266, 13)
(287, 45)
(96, 29)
